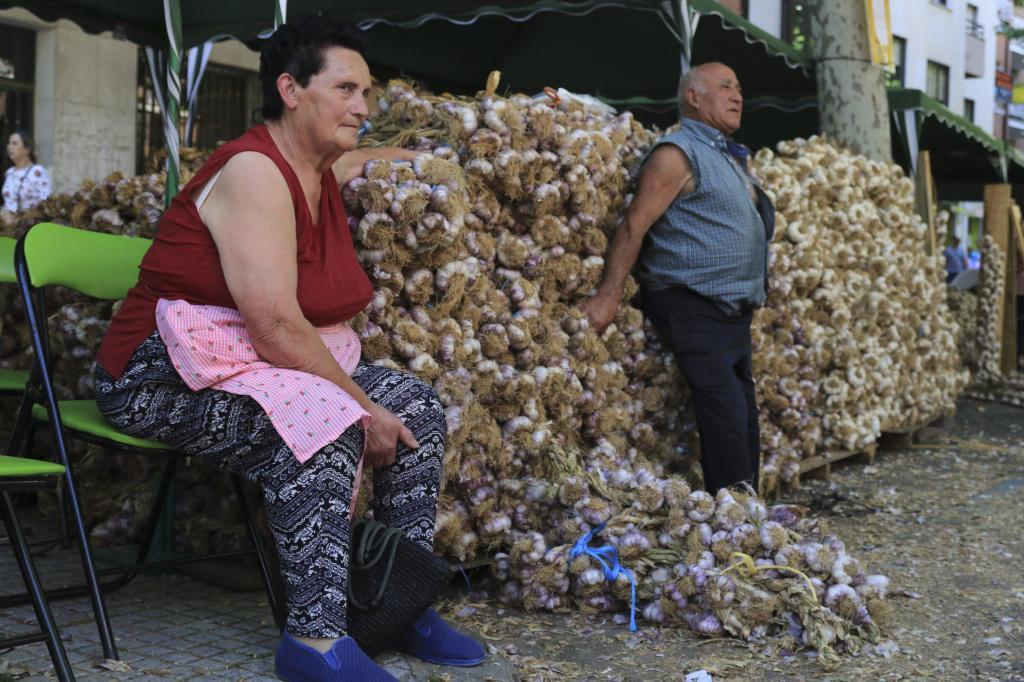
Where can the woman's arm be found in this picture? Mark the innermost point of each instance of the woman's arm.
(350, 165)
(39, 186)
(250, 215)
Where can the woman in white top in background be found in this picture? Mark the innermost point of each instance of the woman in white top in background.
(26, 183)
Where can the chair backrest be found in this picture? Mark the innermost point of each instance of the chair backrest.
(7, 275)
(97, 264)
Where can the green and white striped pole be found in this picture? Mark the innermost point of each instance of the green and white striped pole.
(280, 12)
(172, 140)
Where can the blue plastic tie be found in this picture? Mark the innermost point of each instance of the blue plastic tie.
(469, 585)
(612, 571)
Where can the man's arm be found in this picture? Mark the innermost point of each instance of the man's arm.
(350, 165)
(665, 175)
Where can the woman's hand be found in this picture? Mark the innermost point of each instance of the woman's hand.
(350, 165)
(383, 435)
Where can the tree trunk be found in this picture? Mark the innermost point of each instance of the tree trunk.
(852, 103)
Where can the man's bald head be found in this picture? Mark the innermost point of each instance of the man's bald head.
(711, 93)
(694, 80)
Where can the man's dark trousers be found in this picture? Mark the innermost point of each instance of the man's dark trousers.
(713, 352)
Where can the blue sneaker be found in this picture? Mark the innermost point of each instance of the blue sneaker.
(432, 640)
(345, 662)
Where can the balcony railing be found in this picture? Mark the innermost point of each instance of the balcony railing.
(975, 29)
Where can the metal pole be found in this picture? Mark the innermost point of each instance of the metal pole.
(172, 19)
(280, 12)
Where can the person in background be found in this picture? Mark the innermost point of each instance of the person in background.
(700, 226)
(26, 183)
(956, 259)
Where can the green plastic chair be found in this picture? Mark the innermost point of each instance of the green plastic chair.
(20, 473)
(102, 266)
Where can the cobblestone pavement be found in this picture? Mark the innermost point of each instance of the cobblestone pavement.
(169, 627)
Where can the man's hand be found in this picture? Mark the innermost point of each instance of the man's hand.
(383, 434)
(600, 309)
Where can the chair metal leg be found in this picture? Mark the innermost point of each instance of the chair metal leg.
(63, 515)
(35, 588)
(270, 584)
(88, 565)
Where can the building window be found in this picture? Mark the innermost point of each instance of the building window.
(17, 82)
(969, 110)
(937, 85)
(226, 106)
(895, 77)
(795, 23)
(941, 3)
(973, 27)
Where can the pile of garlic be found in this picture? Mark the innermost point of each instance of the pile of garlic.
(856, 336)
(964, 307)
(990, 301)
(990, 383)
(481, 251)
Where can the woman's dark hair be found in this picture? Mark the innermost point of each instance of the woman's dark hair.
(298, 48)
(27, 142)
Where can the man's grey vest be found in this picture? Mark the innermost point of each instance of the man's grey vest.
(714, 240)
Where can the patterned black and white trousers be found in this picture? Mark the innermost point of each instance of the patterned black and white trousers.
(307, 503)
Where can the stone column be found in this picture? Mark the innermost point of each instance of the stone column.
(852, 102)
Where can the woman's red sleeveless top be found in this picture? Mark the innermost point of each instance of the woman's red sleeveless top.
(183, 262)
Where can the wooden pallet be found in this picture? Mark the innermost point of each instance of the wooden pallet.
(901, 438)
(820, 466)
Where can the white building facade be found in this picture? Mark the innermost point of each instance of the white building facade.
(84, 99)
(946, 48)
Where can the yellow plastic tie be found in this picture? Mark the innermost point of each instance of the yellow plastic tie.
(745, 566)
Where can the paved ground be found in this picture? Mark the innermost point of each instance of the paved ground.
(942, 519)
(171, 627)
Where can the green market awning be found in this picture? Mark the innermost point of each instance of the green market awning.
(142, 21)
(620, 50)
(627, 52)
(964, 158)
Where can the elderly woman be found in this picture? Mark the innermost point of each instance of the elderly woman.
(233, 348)
(26, 183)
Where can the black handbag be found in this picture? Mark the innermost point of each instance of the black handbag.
(391, 582)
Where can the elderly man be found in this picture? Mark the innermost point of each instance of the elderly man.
(700, 225)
